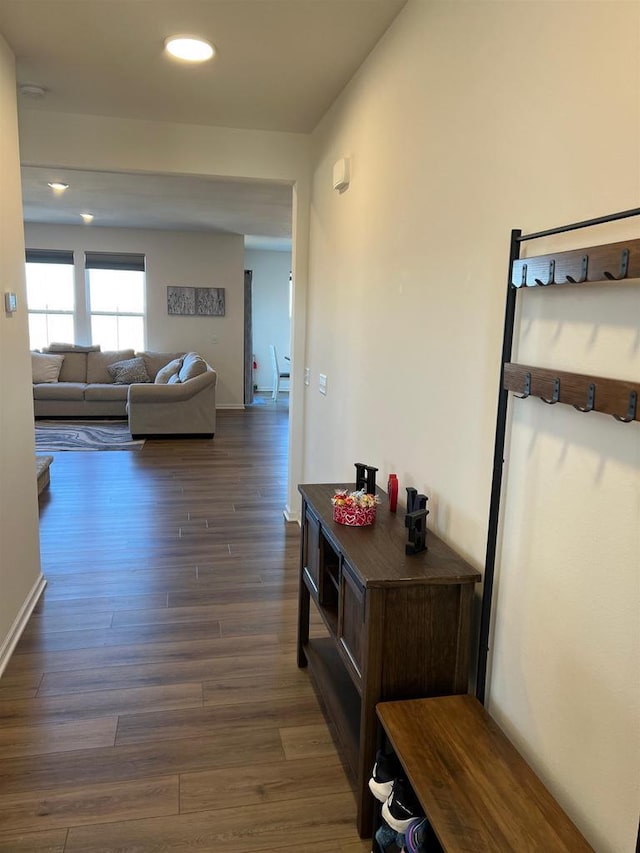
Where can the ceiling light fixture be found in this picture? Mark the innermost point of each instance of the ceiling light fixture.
(58, 186)
(87, 218)
(189, 48)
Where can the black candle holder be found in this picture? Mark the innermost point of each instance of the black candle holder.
(416, 522)
(365, 478)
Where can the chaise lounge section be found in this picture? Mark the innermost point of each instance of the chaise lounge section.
(186, 406)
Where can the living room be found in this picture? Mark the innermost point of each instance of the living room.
(466, 120)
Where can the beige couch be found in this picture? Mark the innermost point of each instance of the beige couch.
(183, 403)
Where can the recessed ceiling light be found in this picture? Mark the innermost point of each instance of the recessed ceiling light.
(87, 218)
(58, 186)
(189, 48)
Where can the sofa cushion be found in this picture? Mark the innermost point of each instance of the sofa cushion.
(98, 362)
(74, 367)
(45, 367)
(59, 347)
(192, 366)
(103, 391)
(174, 380)
(155, 360)
(59, 391)
(128, 371)
(165, 373)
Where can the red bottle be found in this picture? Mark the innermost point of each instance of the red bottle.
(392, 491)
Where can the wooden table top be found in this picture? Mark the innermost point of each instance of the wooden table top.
(377, 552)
(476, 789)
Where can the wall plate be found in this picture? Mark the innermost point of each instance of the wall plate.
(10, 302)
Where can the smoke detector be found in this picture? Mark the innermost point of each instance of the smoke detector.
(32, 90)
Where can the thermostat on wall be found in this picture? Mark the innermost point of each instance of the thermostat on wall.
(10, 302)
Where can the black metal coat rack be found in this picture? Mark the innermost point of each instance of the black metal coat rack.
(614, 262)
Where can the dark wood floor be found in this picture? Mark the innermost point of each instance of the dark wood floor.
(154, 702)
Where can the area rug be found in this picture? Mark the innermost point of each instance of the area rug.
(54, 436)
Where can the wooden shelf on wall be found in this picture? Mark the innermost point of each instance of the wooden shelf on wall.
(608, 264)
(589, 393)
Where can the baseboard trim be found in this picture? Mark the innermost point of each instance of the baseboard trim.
(239, 406)
(291, 515)
(20, 622)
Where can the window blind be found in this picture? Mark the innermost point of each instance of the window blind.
(49, 256)
(114, 261)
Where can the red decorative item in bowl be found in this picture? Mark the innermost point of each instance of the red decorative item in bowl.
(355, 516)
(356, 509)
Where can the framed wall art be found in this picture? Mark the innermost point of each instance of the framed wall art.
(195, 301)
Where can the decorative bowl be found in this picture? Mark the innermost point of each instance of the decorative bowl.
(354, 516)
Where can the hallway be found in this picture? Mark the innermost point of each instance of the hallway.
(154, 702)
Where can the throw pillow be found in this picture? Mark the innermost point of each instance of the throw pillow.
(165, 373)
(174, 380)
(192, 366)
(45, 367)
(128, 371)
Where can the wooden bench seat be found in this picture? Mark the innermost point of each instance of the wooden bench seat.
(477, 791)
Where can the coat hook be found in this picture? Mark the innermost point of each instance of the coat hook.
(584, 266)
(552, 272)
(556, 393)
(631, 411)
(527, 388)
(523, 280)
(591, 399)
(624, 267)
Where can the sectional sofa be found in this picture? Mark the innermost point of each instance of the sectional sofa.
(161, 393)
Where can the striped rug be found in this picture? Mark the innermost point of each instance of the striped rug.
(54, 436)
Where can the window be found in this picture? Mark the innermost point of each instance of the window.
(110, 313)
(50, 296)
(116, 296)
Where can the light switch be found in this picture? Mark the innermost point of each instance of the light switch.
(10, 302)
(322, 383)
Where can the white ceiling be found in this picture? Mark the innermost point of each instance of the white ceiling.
(279, 66)
(261, 211)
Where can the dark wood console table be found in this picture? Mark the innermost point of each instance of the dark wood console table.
(399, 626)
(476, 789)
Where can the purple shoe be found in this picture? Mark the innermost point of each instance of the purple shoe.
(415, 836)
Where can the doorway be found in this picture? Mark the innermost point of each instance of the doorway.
(268, 301)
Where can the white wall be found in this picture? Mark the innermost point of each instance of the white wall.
(470, 119)
(20, 578)
(271, 320)
(175, 258)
